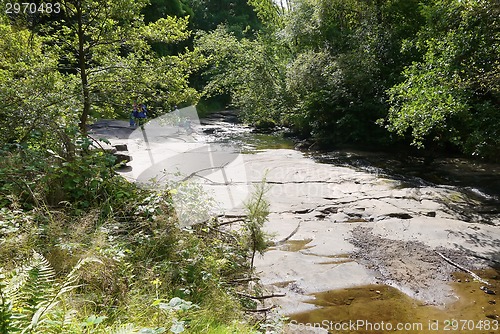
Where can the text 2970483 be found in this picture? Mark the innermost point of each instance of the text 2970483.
(32, 8)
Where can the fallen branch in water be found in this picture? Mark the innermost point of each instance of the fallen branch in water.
(282, 241)
(261, 297)
(475, 276)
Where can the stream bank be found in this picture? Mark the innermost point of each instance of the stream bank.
(351, 223)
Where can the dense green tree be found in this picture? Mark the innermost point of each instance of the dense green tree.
(94, 59)
(33, 92)
(107, 44)
(362, 41)
(236, 15)
(157, 9)
(303, 70)
(452, 95)
(244, 68)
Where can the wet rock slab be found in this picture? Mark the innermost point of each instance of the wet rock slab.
(344, 226)
(332, 203)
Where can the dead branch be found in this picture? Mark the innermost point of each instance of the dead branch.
(227, 234)
(230, 222)
(232, 216)
(245, 279)
(476, 277)
(282, 241)
(261, 297)
(266, 309)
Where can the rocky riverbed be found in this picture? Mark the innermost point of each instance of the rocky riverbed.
(334, 226)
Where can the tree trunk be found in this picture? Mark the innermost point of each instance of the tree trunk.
(82, 66)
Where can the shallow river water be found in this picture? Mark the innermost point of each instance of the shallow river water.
(388, 303)
(359, 238)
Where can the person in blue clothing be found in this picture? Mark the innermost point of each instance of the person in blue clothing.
(143, 111)
(133, 115)
(138, 115)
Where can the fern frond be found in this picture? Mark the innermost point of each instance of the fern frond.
(73, 276)
(6, 314)
(35, 293)
(29, 298)
(58, 291)
(123, 329)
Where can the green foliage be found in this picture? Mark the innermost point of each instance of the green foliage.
(147, 264)
(331, 69)
(30, 296)
(451, 95)
(157, 9)
(36, 97)
(60, 195)
(268, 12)
(236, 15)
(32, 177)
(304, 70)
(92, 60)
(424, 102)
(111, 49)
(246, 69)
(257, 210)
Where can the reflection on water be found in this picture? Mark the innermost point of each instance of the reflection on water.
(222, 128)
(374, 304)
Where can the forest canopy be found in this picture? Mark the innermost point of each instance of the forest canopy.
(414, 72)
(356, 71)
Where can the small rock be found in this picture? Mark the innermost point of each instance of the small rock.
(122, 158)
(492, 316)
(492, 302)
(488, 291)
(378, 291)
(121, 147)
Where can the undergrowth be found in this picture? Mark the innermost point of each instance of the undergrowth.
(84, 251)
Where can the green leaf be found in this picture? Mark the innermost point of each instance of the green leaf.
(177, 326)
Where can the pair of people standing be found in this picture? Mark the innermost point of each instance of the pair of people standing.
(138, 114)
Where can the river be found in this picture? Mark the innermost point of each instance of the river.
(358, 236)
